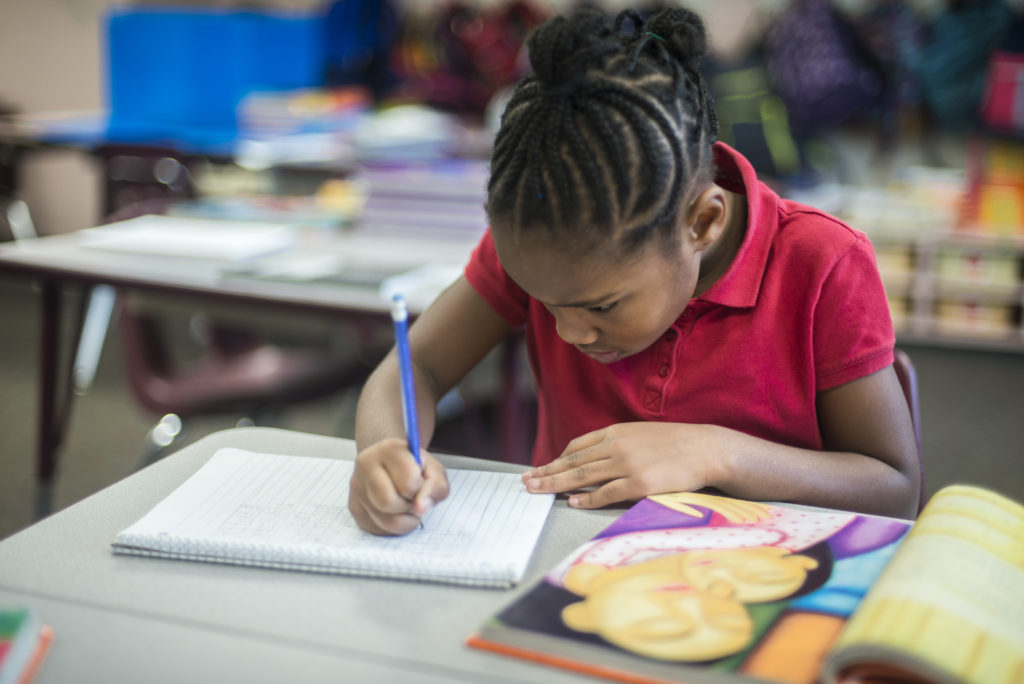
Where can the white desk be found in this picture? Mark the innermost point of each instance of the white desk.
(67, 259)
(131, 619)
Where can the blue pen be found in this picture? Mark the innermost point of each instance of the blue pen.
(400, 316)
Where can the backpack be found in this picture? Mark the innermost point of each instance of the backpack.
(820, 66)
(1002, 101)
(459, 57)
(955, 60)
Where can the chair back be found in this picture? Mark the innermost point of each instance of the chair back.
(907, 375)
(236, 370)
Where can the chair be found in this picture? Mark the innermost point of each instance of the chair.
(237, 370)
(96, 307)
(907, 375)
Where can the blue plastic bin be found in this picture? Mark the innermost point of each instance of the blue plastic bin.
(180, 73)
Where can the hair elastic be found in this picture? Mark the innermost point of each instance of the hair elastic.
(655, 35)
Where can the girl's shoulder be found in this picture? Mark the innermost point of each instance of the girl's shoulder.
(804, 230)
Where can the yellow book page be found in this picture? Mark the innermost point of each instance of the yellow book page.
(950, 604)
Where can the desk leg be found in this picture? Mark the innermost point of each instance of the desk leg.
(48, 437)
(55, 394)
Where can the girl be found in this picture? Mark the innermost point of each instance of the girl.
(686, 327)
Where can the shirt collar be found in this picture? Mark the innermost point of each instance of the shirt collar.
(741, 283)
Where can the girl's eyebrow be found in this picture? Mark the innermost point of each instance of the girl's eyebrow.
(588, 304)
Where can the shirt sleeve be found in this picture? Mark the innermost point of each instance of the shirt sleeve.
(485, 274)
(853, 331)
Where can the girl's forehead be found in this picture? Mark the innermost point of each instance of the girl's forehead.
(558, 273)
(572, 242)
(580, 252)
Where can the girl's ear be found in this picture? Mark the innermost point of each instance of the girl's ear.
(705, 218)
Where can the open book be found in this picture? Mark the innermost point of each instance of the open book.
(698, 588)
(291, 512)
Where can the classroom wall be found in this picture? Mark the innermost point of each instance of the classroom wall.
(52, 58)
(50, 52)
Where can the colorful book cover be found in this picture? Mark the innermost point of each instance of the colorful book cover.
(700, 588)
(24, 641)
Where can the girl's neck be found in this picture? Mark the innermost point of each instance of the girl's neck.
(717, 258)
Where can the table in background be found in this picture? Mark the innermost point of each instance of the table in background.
(56, 262)
(121, 618)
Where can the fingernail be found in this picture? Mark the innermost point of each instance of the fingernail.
(532, 484)
(426, 503)
(574, 501)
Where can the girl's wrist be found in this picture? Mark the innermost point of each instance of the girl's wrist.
(722, 456)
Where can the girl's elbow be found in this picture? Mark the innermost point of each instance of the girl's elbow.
(907, 497)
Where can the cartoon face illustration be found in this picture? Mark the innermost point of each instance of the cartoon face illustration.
(754, 575)
(644, 608)
(683, 587)
(685, 606)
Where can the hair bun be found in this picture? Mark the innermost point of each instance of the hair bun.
(683, 34)
(562, 49)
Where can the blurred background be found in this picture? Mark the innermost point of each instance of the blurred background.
(904, 118)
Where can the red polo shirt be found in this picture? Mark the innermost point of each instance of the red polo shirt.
(801, 309)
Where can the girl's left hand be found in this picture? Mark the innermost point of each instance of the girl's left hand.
(629, 461)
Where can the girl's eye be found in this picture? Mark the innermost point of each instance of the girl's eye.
(604, 308)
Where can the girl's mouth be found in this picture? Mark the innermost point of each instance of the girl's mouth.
(604, 356)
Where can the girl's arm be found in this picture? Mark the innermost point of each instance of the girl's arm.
(869, 462)
(388, 494)
(446, 341)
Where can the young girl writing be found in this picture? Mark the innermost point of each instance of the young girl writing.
(686, 327)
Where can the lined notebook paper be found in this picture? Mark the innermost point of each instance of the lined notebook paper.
(291, 512)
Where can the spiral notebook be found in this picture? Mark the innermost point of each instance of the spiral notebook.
(290, 512)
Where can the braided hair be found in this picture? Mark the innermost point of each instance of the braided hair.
(609, 134)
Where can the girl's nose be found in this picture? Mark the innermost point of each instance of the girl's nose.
(573, 327)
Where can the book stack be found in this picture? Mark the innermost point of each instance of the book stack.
(24, 642)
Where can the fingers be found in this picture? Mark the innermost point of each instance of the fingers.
(435, 486)
(605, 495)
(389, 493)
(576, 477)
(376, 523)
(622, 462)
(579, 470)
(577, 453)
(395, 483)
(579, 466)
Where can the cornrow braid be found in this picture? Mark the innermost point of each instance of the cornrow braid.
(610, 132)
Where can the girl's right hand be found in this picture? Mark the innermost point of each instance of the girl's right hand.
(388, 493)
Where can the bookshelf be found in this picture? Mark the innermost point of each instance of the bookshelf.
(954, 288)
(950, 248)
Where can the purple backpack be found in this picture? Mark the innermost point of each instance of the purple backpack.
(820, 67)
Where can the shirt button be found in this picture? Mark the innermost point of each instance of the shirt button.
(663, 371)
